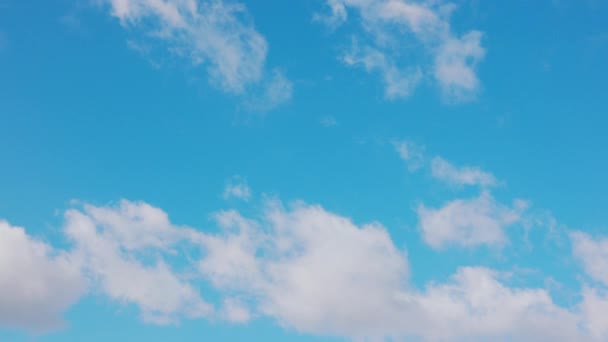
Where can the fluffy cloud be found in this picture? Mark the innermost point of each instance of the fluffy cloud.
(475, 305)
(320, 273)
(459, 176)
(593, 254)
(215, 34)
(594, 307)
(37, 283)
(469, 222)
(112, 243)
(399, 34)
(309, 269)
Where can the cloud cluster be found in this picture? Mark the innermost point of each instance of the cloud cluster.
(215, 34)
(320, 273)
(462, 222)
(399, 36)
(308, 268)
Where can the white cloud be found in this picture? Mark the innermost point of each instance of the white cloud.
(235, 311)
(455, 66)
(475, 305)
(469, 222)
(276, 91)
(593, 254)
(309, 269)
(113, 244)
(459, 176)
(403, 32)
(594, 307)
(238, 188)
(319, 273)
(397, 82)
(215, 34)
(37, 283)
(414, 155)
(337, 16)
(411, 153)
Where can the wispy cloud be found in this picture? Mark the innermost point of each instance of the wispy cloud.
(217, 35)
(410, 152)
(328, 121)
(444, 171)
(415, 157)
(398, 36)
(237, 187)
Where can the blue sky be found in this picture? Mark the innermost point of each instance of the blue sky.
(319, 170)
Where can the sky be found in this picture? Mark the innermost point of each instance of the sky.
(304, 170)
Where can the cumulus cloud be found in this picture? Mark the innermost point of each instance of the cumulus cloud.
(37, 282)
(475, 303)
(235, 311)
(594, 307)
(459, 176)
(307, 268)
(320, 273)
(400, 35)
(112, 243)
(593, 254)
(238, 188)
(469, 222)
(215, 34)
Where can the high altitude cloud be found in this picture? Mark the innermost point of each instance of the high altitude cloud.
(37, 282)
(215, 34)
(398, 36)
